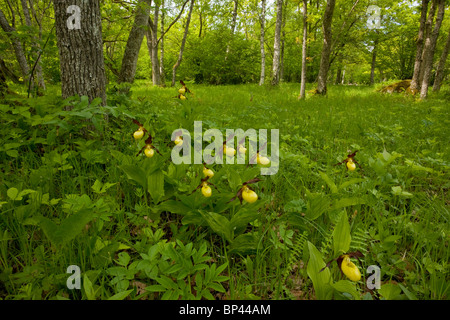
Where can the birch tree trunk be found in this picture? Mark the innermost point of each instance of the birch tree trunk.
(429, 49)
(374, 60)
(440, 71)
(134, 42)
(262, 19)
(17, 45)
(419, 47)
(161, 57)
(277, 45)
(326, 50)
(183, 42)
(304, 44)
(283, 38)
(152, 43)
(80, 49)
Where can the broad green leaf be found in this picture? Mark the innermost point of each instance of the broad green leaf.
(88, 288)
(13, 153)
(246, 243)
(136, 174)
(350, 182)
(155, 288)
(218, 223)
(321, 280)
(155, 183)
(121, 295)
(341, 235)
(346, 286)
(12, 193)
(316, 206)
(409, 294)
(68, 229)
(329, 182)
(242, 218)
(390, 291)
(346, 202)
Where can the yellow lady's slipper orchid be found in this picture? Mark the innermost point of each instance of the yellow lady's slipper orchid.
(350, 269)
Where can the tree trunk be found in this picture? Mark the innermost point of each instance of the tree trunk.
(430, 46)
(304, 45)
(161, 57)
(374, 60)
(283, 38)
(152, 43)
(338, 75)
(183, 42)
(17, 45)
(35, 47)
(427, 35)
(440, 71)
(80, 49)
(326, 50)
(277, 45)
(419, 47)
(233, 26)
(262, 20)
(131, 54)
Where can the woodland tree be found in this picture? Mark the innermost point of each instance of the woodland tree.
(134, 42)
(183, 42)
(440, 70)
(304, 45)
(326, 50)
(430, 46)
(277, 44)
(79, 33)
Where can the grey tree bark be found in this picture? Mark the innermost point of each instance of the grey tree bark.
(277, 45)
(262, 19)
(304, 46)
(415, 83)
(161, 56)
(429, 49)
(134, 42)
(374, 60)
(152, 43)
(183, 42)
(440, 70)
(17, 45)
(326, 50)
(81, 50)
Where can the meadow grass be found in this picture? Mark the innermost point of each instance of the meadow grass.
(397, 202)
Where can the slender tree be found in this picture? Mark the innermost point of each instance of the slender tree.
(262, 20)
(183, 42)
(277, 45)
(440, 70)
(153, 40)
(304, 46)
(79, 34)
(35, 45)
(415, 83)
(152, 43)
(326, 49)
(161, 56)
(429, 49)
(233, 26)
(17, 45)
(134, 42)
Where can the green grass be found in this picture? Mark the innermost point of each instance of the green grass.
(136, 238)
